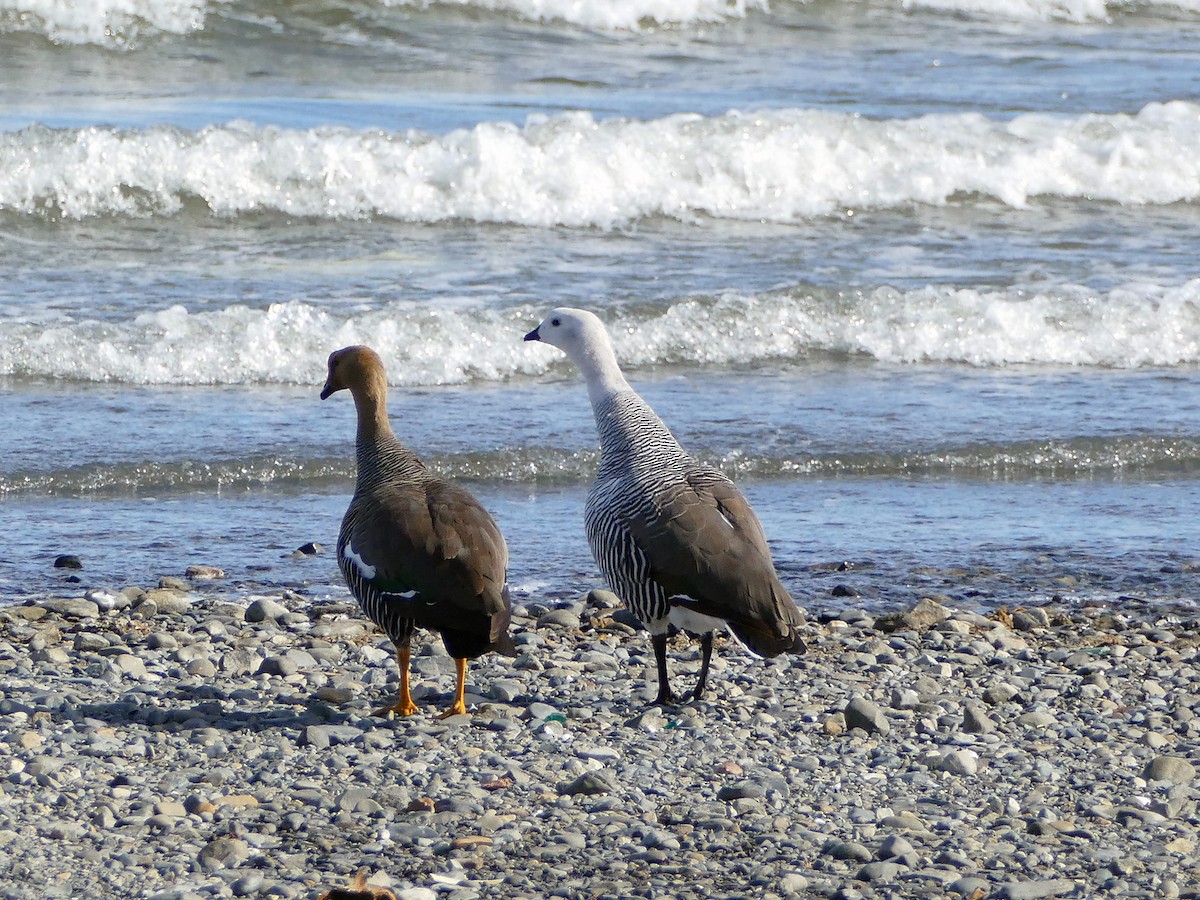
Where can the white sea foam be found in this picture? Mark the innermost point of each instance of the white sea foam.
(610, 15)
(1081, 11)
(113, 23)
(637, 15)
(1134, 326)
(284, 343)
(573, 170)
(121, 24)
(1130, 327)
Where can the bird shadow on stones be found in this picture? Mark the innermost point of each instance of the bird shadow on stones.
(191, 708)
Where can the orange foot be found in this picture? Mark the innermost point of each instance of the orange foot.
(458, 708)
(399, 708)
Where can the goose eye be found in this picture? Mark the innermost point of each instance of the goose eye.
(555, 322)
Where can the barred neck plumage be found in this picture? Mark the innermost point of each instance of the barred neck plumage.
(632, 436)
(384, 459)
(379, 453)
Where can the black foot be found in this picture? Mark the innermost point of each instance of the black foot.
(665, 698)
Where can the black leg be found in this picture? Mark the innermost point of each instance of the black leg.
(706, 642)
(665, 697)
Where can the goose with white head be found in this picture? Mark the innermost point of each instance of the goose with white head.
(416, 549)
(673, 536)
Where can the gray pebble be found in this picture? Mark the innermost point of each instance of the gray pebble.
(862, 713)
(263, 609)
(1034, 890)
(1174, 769)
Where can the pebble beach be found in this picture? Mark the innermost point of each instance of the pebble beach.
(187, 740)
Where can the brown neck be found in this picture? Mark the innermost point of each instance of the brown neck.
(370, 400)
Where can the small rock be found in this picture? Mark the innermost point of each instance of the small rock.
(130, 665)
(999, 693)
(1038, 718)
(1174, 769)
(264, 608)
(976, 721)
(894, 845)
(1034, 890)
(278, 665)
(1030, 619)
(834, 725)
(204, 573)
(471, 842)
(168, 601)
(506, 690)
(602, 599)
(744, 790)
(862, 713)
(921, 617)
(960, 762)
(559, 618)
(793, 883)
(73, 607)
(67, 561)
(848, 850)
(589, 783)
(878, 871)
(224, 852)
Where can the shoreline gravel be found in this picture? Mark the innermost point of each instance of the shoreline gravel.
(172, 744)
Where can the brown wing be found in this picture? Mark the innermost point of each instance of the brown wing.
(706, 544)
(434, 539)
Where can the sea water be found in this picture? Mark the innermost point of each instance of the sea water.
(920, 276)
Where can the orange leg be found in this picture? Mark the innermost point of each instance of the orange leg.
(459, 708)
(404, 705)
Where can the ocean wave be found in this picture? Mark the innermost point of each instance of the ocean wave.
(606, 15)
(640, 15)
(1143, 456)
(1077, 11)
(573, 170)
(118, 24)
(127, 24)
(460, 343)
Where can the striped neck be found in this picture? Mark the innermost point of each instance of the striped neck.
(378, 451)
(631, 435)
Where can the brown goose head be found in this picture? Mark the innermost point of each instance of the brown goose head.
(357, 369)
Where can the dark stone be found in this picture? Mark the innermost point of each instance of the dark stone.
(67, 561)
(627, 618)
(744, 790)
(587, 783)
(843, 590)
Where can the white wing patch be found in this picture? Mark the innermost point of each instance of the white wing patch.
(364, 568)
